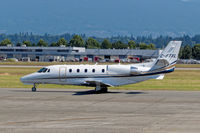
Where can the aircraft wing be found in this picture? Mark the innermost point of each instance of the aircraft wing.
(95, 83)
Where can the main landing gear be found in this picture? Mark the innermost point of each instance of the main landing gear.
(101, 89)
(34, 89)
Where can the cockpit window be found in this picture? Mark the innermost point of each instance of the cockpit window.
(42, 70)
(48, 70)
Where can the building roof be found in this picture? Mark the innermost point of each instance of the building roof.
(122, 52)
(79, 51)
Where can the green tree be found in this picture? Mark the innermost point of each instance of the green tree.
(186, 52)
(77, 41)
(106, 44)
(27, 43)
(42, 43)
(91, 43)
(62, 41)
(53, 44)
(119, 45)
(33, 44)
(180, 52)
(151, 46)
(5, 42)
(196, 51)
(132, 44)
(143, 46)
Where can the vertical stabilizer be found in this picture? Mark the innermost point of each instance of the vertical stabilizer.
(170, 53)
(168, 58)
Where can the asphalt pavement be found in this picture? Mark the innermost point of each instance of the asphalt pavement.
(84, 111)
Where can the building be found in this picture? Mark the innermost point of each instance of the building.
(74, 54)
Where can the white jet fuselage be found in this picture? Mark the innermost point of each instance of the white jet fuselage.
(110, 75)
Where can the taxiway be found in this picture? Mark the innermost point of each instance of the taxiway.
(83, 111)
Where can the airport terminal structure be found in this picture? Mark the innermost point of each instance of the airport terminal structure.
(47, 54)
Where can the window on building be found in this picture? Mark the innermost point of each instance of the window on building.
(122, 56)
(90, 56)
(7, 50)
(70, 70)
(38, 50)
(24, 55)
(62, 50)
(103, 70)
(9, 55)
(23, 50)
(75, 51)
(78, 70)
(93, 70)
(107, 56)
(77, 56)
(86, 70)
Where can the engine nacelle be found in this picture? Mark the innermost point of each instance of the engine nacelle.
(135, 71)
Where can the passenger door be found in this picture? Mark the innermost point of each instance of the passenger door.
(62, 74)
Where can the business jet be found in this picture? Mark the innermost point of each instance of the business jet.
(103, 76)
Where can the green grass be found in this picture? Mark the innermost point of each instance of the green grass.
(188, 65)
(178, 80)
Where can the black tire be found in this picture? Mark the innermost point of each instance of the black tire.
(34, 89)
(104, 90)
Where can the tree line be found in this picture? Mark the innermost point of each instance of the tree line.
(78, 41)
(190, 48)
(159, 41)
(188, 52)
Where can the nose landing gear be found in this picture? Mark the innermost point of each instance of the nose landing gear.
(34, 89)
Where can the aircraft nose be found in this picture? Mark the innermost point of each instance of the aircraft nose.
(25, 79)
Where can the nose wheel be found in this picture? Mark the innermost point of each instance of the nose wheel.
(34, 89)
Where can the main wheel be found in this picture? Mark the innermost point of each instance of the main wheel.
(34, 89)
(104, 90)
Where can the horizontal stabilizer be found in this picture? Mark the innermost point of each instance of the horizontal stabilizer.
(160, 77)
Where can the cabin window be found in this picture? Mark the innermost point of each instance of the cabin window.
(70, 70)
(103, 70)
(78, 70)
(93, 70)
(85, 70)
